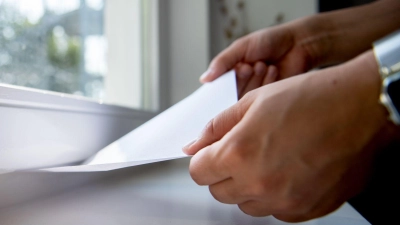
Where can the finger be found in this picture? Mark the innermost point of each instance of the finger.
(244, 71)
(205, 167)
(260, 69)
(243, 74)
(272, 75)
(229, 192)
(256, 208)
(219, 126)
(225, 61)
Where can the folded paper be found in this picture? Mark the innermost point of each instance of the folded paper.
(163, 137)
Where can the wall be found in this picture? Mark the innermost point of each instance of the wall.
(188, 46)
(194, 36)
(123, 83)
(256, 14)
(262, 13)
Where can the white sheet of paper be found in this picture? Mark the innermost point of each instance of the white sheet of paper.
(163, 137)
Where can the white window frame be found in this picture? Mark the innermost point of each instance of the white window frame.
(67, 128)
(35, 120)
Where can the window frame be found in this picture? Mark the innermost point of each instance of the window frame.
(100, 122)
(172, 58)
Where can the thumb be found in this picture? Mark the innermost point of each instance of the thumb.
(225, 61)
(220, 125)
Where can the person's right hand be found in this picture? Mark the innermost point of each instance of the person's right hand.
(262, 57)
(296, 149)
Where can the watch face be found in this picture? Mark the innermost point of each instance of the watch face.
(393, 90)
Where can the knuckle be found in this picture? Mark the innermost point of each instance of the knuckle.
(209, 129)
(240, 144)
(194, 175)
(236, 153)
(258, 190)
(217, 195)
(249, 96)
(245, 209)
(253, 210)
(242, 148)
(289, 206)
(293, 205)
(195, 171)
(214, 129)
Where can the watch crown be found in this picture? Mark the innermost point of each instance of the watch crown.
(383, 99)
(385, 71)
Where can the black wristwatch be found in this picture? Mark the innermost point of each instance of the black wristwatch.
(387, 54)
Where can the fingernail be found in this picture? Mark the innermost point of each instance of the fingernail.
(188, 145)
(205, 75)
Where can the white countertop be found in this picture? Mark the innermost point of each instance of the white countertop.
(160, 193)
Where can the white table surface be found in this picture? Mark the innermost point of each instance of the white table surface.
(161, 193)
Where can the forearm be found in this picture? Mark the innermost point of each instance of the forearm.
(334, 37)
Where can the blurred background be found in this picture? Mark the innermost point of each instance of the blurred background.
(110, 50)
(139, 54)
(54, 45)
(113, 51)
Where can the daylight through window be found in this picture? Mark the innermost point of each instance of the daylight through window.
(54, 45)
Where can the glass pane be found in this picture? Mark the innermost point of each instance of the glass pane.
(54, 45)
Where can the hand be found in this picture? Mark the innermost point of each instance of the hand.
(296, 149)
(261, 58)
(296, 47)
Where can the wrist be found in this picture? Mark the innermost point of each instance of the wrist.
(365, 84)
(316, 36)
(353, 90)
(334, 37)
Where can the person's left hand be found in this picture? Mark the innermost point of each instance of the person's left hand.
(296, 149)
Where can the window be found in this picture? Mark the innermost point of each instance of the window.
(91, 48)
